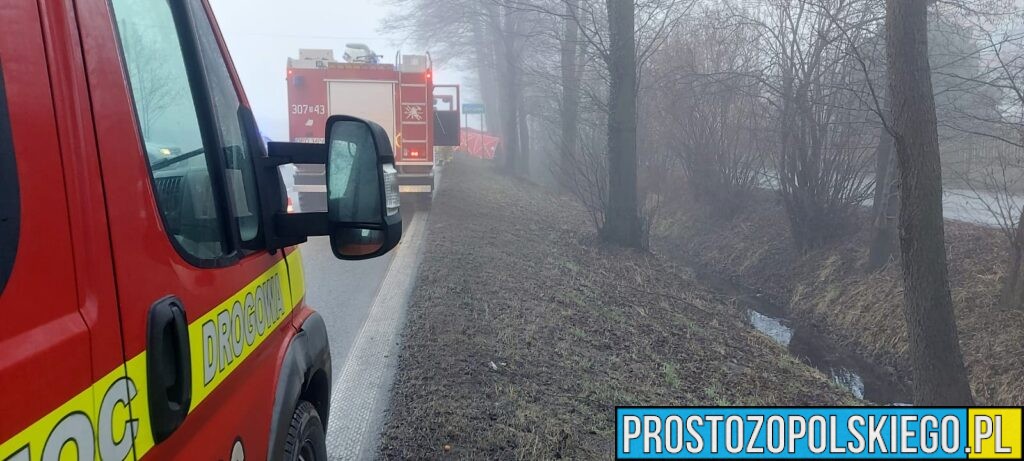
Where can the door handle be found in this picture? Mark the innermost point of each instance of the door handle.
(168, 367)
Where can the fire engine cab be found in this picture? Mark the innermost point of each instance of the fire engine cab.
(402, 97)
(150, 283)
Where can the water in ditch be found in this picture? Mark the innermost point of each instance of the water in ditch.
(863, 379)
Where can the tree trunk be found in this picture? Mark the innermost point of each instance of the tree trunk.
(485, 62)
(621, 218)
(885, 207)
(523, 163)
(570, 87)
(510, 120)
(883, 159)
(504, 30)
(1012, 294)
(939, 376)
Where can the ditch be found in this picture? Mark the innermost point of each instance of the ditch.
(862, 378)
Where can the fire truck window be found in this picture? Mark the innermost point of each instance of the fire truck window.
(9, 200)
(168, 121)
(237, 149)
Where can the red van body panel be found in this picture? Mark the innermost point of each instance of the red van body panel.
(42, 323)
(93, 256)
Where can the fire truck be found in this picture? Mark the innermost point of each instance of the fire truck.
(402, 97)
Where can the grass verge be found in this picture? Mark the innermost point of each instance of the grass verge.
(523, 334)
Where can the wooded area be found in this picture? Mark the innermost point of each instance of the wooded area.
(843, 108)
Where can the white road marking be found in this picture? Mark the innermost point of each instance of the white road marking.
(361, 393)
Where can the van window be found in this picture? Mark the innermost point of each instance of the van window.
(10, 213)
(241, 179)
(168, 120)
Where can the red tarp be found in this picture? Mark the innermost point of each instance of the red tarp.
(478, 144)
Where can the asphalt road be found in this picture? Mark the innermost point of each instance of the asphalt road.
(363, 322)
(343, 291)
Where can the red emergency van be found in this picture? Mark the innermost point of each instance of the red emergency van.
(151, 291)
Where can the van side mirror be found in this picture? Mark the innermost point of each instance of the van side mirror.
(362, 189)
(363, 218)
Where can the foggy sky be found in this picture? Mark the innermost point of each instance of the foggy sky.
(262, 34)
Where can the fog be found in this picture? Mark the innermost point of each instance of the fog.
(263, 34)
(766, 147)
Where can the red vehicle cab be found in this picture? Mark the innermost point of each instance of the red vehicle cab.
(151, 288)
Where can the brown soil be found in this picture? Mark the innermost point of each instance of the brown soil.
(523, 334)
(863, 311)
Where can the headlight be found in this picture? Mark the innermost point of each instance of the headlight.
(390, 188)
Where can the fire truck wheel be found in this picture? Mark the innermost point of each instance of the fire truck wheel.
(306, 440)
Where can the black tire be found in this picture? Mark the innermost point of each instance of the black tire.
(306, 440)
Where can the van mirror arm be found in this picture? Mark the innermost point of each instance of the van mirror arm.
(283, 153)
(287, 229)
(300, 225)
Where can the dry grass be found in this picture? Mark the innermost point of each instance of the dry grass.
(863, 311)
(523, 334)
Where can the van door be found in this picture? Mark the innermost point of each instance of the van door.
(203, 311)
(65, 395)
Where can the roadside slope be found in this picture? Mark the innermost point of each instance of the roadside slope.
(861, 311)
(523, 334)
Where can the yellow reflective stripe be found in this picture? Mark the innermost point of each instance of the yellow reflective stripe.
(140, 409)
(222, 338)
(296, 278)
(219, 342)
(76, 425)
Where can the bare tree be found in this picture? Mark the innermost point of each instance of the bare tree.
(152, 85)
(587, 172)
(992, 168)
(886, 204)
(570, 47)
(997, 187)
(939, 376)
(505, 29)
(490, 36)
(586, 97)
(707, 110)
(622, 218)
(824, 158)
(865, 41)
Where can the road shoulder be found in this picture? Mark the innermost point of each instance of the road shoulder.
(360, 394)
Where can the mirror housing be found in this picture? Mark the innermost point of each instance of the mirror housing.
(362, 189)
(363, 217)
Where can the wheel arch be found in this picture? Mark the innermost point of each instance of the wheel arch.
(304, 374)
(318, 392)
